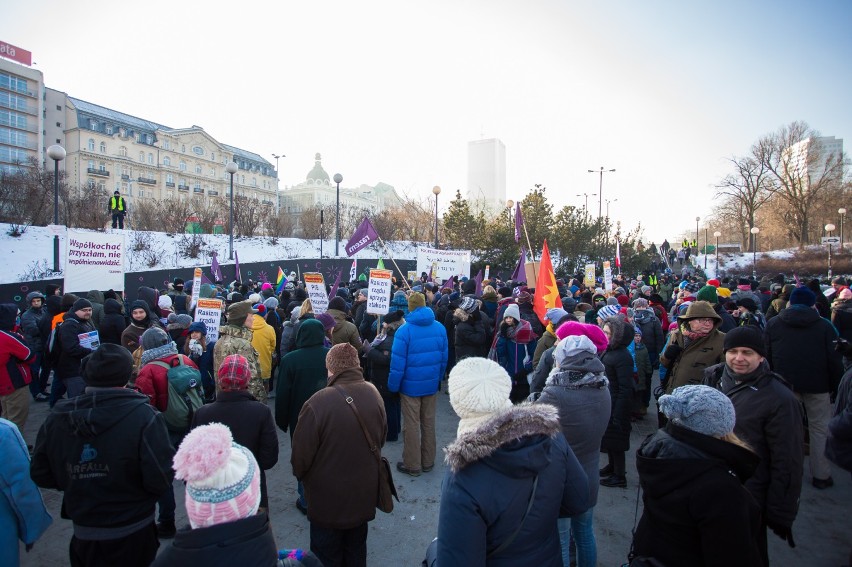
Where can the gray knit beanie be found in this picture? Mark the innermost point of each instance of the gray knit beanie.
(154, 337)
(700, 408)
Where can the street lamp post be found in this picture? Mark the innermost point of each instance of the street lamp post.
(437, 191)
(717, 234)
(829, 228)
(696, 234)
(754, 231)
(322, 227)
(600, 187)
(842, 213)
(277, 179)
(586, 205)
(705, 248)
(57, 154)
(337, 179)
(231, 168)
(608, 201)
(509, 204)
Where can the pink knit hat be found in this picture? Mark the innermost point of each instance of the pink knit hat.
(574, 328)
(222, 478)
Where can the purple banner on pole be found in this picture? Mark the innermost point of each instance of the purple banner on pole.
(519, 273)
(362, 237)
(333, 291)
(478, 280)
(237, 267)
(215, 270)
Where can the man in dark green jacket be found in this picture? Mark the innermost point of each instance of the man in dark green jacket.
(301, 374)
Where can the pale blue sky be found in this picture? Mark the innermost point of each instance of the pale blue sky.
(392, 91)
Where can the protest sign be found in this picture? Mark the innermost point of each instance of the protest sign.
(315, 286)
(89, 340)
(487, 270)
(209, 312)
(379, 292)
(94, 260)
(196, 286)
(607, 276)
(589, 279)
(449, 262)
(412, 275)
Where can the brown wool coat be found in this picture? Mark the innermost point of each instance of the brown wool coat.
(330, 454)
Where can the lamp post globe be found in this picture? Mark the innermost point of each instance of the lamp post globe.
(436, 190)
(231, 168)
(57, 154)
(509, 204)
(337, 179)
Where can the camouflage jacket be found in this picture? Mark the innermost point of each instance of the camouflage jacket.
(237, 340)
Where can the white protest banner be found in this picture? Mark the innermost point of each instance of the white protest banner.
(94, 260)
(196, 286)
(412, 275)
(589, 279)
(379, 292)
(487, 271)
(315, 286)
(607, 276)
(449, 262)
(209, 312)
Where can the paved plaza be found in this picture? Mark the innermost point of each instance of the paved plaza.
(399, 539)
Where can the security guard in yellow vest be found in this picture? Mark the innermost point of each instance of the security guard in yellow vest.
(117, 208)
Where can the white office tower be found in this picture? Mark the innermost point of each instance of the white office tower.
(486, 173)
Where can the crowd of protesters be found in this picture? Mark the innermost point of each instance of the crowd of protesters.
(737, 368)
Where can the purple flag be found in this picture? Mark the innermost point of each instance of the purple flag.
(519, 222)
(363, 236)
(237, 267)
(478, 280)
(333, 291)
(204, 279)
(215, 269)
(519, 273)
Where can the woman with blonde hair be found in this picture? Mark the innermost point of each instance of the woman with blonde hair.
(696, 509)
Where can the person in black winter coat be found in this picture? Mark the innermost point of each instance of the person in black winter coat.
(379, 358)
(472, 336)
(769, 419)
(250, 421)
(113, 323)
(696, 510)
(228, 526)
(77, 321)
(618, 365)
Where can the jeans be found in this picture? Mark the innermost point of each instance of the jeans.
(57, 390)
(340, 548)
(418, 438)
(35, 370)
(580, 529)
(300, 488)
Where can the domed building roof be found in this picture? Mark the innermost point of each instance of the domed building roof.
(318, 174)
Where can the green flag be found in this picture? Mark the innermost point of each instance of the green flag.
(380, 265)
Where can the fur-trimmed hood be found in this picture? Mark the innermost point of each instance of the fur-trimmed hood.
(517, 439)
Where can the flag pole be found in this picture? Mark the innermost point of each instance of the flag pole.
(532, 250)
(382, 242)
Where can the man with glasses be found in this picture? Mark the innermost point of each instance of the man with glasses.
(77, 321)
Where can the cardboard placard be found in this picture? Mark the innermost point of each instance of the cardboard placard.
(209, 311)
(379, 292)
(315, 286)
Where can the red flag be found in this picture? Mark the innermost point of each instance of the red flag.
(546, 293)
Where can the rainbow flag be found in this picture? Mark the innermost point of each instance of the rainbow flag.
(280, 281)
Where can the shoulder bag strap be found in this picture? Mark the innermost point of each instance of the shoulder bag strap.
(506, 543)
(351, 403)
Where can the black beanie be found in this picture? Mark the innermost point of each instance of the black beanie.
(81, 304)
(337, 303)
(109, 366)
(745, 337)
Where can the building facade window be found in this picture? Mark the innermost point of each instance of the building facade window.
(93, 124)
(103, 147)
(182, 165)
(151, 159)
(198, 169)
(141, 157)
(167, 145)
(91, 144)
(170, 178)
(167, 161)
(122, 151)
(109, 129)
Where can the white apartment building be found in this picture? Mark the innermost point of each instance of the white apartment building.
(486, 173)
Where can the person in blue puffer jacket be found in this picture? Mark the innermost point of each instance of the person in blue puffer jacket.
(418, 361)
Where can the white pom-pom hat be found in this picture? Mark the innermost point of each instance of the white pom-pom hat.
(222, 477)
(478, 388)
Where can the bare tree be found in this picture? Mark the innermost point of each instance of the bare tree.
(748, 188)
(248, 215)
(803, 174)
(26, 196)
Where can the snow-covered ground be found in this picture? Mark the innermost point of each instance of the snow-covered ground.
(33, 251)
(739, 263)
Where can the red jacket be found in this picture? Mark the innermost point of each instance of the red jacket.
(153, 381)
(15, 360)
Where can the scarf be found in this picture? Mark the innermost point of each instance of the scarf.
(731, 379)
(159, 352)
(521, 333)
(576, 379)
(692, 335)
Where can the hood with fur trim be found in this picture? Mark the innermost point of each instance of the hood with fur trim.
(516, 439)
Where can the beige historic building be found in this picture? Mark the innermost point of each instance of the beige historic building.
(112, 150)
(318, 190)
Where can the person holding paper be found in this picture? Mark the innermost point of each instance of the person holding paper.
(77, 322)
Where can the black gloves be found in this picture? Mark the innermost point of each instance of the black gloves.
(673, 351)
(784, 532)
